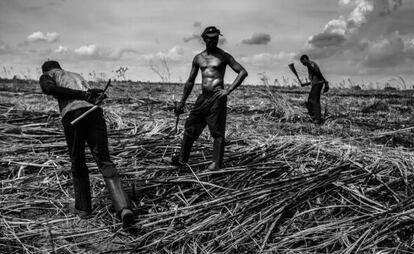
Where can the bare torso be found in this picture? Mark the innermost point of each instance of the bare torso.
(213, 67)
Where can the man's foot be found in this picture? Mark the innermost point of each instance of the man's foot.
(127, 217)
(213, 166)
(175, 161)
(318, 121)
(82, 214)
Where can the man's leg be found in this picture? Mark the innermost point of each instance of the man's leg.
(216, 122)
(75, 138)
(194, 126)
(315, 102)
(98, 143)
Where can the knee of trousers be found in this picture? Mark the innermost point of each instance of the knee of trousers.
(217, 134)
(108, 169)
(190, 131)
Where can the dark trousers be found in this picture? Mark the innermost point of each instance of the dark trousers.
(209, 110)
(314, 102)
(90, 130)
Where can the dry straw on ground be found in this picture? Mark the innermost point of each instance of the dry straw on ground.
(277, 194)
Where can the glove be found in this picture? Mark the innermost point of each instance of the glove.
(179, 109)
(305, 84)
(326, 88)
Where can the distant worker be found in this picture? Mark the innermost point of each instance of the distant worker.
(211, 105)
(74, 98)
(317, 81)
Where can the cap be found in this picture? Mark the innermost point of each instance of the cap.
(211, 31)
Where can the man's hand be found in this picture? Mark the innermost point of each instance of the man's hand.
(95, 96)
(224, 93)
(179, 109)
(326, 88)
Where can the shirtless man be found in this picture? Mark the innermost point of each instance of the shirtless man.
(211, 106)
(317, 81)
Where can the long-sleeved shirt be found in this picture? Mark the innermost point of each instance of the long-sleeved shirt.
(68, 88)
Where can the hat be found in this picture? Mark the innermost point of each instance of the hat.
(211, 31)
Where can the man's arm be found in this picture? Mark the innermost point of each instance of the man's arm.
(49, 87)
(188, 86)
(241, 73)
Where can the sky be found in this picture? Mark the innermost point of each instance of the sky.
(360, 40)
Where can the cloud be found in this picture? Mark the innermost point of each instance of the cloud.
(267, 59)
(258, 39)
(194, 37)
(410, 49)
(389, 52)
(61, 49)
(322, 40)
(87, 50)
(362, 36)
(91, 51)
(197, 24)
(174, 54)
(4, 48)
(41, 37)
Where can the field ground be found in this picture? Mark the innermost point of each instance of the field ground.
(289, 186)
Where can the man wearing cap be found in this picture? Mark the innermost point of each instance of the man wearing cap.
(75, 98)
(317, 81)
(211, 106)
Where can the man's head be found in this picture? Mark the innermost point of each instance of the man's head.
(210, 36)
(50, 65)
(304, 59)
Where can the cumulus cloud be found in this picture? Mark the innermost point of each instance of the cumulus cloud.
(388, 52)
(267, 59)
(362, 36)
(175, 53)
(43, 37)
(87, 50)
(258, 39)
(322, 40)
(61, 49)
(91, 51)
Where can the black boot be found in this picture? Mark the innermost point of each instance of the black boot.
(83, 203)
(119, 200)
(218, 154)
(185, 151)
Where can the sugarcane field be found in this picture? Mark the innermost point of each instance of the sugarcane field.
(342, 187)
(207, 127)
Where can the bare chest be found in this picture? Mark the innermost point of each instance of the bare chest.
(211, 62)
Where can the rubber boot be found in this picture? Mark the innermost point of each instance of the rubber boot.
(218, 154)
(119, 200)
(83, 202)
(185, 151)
